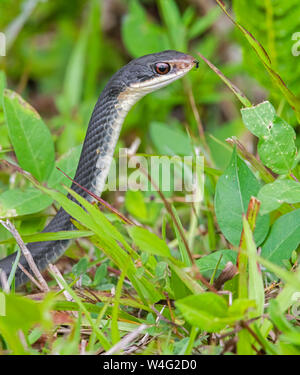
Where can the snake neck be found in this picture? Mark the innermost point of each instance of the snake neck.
(101, 138)
(95, 159)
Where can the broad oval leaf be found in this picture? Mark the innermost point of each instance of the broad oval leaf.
(284, 238)
(276, 145)
(207, 311)
(273, 195)
(233, 192)
(29, 135)
(210, 312)
(16, 202)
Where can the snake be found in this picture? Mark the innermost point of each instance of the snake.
(133, 81)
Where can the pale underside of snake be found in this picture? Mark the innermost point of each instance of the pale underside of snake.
(136, 79)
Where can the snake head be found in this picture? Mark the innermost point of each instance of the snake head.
(151, 72)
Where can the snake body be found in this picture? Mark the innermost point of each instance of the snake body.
(133, 81)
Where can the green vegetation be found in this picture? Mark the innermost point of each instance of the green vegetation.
(219, 276)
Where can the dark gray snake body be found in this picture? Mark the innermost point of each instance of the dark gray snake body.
(127, 86)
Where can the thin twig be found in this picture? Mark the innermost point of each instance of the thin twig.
(252, 333)
(122, 344)
(134, 147)
(55, 271)
(3, 280)
(11, 228)
(237, 328)
(198, 119)
(294, 177)
(83, 347)
(161, 317)
(30, 277)
(145, 338)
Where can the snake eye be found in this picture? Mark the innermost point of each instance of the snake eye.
(162, 68)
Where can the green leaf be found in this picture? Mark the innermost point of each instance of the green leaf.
(291, 335)
(288, 295)
(258, 118)
(255, 284)
(278, 317)
(207, 311)
(80, 267)
(148, 241)
(185, 278)
(184, 255)
(96, 220)
(240, 306)
(210, 311)
(283, 239)
(22, 314)
(273, 195)
(16, 202)
(49, 236)
(207, 264)
(179, 288)
(276, 145)
(233, 192)
(151, 36)
(170, 141)
(100, 274)
(29, 135)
